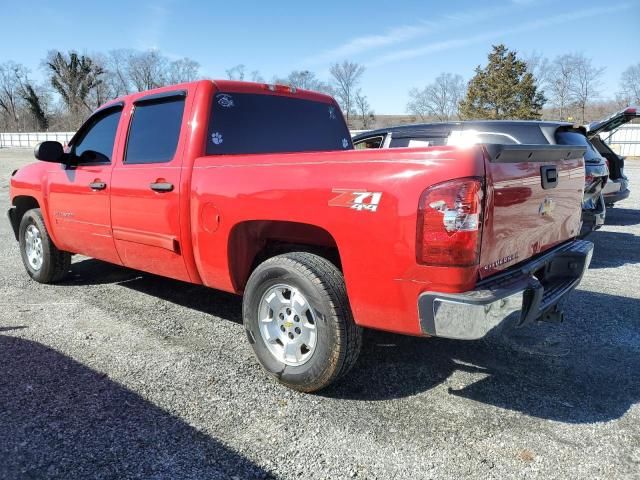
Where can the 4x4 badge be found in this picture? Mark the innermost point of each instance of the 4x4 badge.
(356, 199)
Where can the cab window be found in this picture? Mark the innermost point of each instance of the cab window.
(96, 138)
(155, 131)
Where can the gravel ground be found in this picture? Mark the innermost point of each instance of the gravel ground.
(118, 374)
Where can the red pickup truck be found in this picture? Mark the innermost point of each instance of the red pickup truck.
(256, 189)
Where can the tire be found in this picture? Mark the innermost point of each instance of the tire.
(47, 264)
(317, 295)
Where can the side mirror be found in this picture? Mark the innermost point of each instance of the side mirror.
(50, 151)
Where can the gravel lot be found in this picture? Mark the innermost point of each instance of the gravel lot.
(118, 374)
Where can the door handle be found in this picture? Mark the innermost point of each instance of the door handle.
(98, 185)
(161, 187)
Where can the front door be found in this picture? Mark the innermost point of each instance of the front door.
(145, 188)
(79, 194)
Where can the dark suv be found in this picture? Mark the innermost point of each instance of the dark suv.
(617, 188)
(504, 132)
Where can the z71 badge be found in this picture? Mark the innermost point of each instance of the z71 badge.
(356, 199)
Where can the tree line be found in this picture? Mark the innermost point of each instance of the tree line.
(567, 87)
(76, 84)
(508, 86)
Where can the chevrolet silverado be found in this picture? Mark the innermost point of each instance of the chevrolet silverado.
(256, 189)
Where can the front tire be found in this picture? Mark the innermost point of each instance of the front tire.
(42, 259)
(298, 321)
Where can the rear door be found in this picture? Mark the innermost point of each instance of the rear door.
(613, 122)
(79, 194)
(145, 186)
(601, 131)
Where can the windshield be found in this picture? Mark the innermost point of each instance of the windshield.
(568, 137)
(243, 123)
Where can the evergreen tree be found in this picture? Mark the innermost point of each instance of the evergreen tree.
(502, 90)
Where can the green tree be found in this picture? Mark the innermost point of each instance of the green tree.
(34, 103)
(502, 90)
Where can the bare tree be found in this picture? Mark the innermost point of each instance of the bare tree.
(560, 83)
(10, 89)
(346, 78)
(256, 77)
(538, 66)
(630, 85)
(306, 80)
(364, 109)
(236, 72)
(239, 72)
(147, 70)
(73, 76)
(183, 70)
(586, 82)
(439, 99)
(117, 77)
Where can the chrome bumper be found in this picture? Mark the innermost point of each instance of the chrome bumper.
(522, 294)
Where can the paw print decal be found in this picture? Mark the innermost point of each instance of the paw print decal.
(216, 138)
(345, 143)
(332, 112)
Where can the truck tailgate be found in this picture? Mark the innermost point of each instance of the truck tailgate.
(533, 202)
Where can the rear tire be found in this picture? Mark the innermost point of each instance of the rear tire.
(297, 318)
(42, 259)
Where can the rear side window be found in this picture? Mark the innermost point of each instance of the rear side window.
(416, 142)
(244, 123)
(95, 144)
(154, 131)
(373, 142)
(570, 137)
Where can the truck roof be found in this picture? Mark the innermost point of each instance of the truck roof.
(235, 86)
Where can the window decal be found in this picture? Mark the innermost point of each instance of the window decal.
(216, 138)
(225, 100)
(345, 143)
(332, 112)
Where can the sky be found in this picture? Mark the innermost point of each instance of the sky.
(402, 44)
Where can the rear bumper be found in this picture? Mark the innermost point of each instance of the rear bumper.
(594, 218)
(614, 197)
(523, 294)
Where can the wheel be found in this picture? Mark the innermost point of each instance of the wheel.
(298, 321)
(42, 259)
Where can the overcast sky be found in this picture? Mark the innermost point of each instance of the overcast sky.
(403, 44)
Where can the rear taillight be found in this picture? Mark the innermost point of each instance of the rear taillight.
(450, 223)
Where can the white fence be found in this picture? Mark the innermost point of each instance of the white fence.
(31, 139)
(625, 140)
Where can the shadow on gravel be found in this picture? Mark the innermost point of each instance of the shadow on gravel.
(60, 419)
(195, 297)
(614, 249)
(622, 216)
(8, 329)
(581, 371)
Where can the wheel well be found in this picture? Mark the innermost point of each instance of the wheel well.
(21, 204)
(252, 242)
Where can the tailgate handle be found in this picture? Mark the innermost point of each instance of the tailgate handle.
(549, 176)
